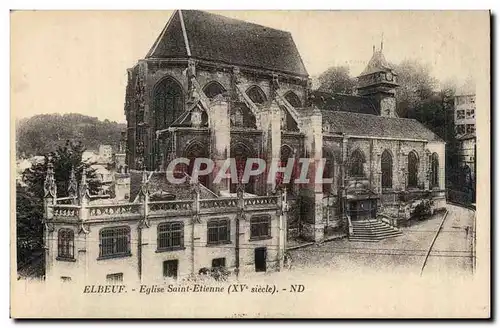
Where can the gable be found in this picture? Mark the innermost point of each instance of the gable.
(170, 43)
(226, 40)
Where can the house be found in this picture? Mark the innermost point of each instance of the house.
(465, 128)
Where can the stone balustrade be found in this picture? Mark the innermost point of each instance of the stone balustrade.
(218, 203)
(165, 206)
(113, 209)
(66, 211)
(261, 201)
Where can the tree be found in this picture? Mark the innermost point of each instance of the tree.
(337, 79)
(42, 134)
(416, 85)
(64, 159)
(29, 228)
(29, 198)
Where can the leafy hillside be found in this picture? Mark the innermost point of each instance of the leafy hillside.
(41, 134)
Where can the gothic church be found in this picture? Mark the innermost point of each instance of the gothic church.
(216, 87)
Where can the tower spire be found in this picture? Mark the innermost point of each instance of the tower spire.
(144, 191)
(49, 185)
(84, 192)
(73, 184)
(382, 42)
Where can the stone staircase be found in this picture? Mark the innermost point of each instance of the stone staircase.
(372, 230)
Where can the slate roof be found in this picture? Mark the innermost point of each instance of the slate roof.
(377, 63)
(376, 126)
(221, 39)
(341, 102)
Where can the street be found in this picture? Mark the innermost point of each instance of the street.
(451, 253)
(452, 250)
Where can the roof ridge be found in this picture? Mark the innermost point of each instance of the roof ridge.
(184, 34)
(383, 117)
(160, 37)
(210, 36)
(237, 20)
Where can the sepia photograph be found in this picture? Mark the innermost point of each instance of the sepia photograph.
(250, 164)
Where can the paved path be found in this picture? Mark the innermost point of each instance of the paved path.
(452, 251)
(404, 253)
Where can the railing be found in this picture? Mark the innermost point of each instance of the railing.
(176, 205)
(218, 203)
(261, 201)
(110, 210)
(113, 209)
(64, 210)
(351, 228)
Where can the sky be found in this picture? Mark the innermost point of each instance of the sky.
(76, 61)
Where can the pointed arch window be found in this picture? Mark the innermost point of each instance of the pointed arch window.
(256, 94)
(412, 170)
(65, 244)
(434, 170)
(213, 89)
(386, 168)
(168, 102)
(293, 99)
(356, 164)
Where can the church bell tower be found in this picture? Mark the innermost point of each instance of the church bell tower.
(378, 82)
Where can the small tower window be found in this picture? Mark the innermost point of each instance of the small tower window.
(356, 164)
(65, 244)
(412, 170)
(386, 167)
